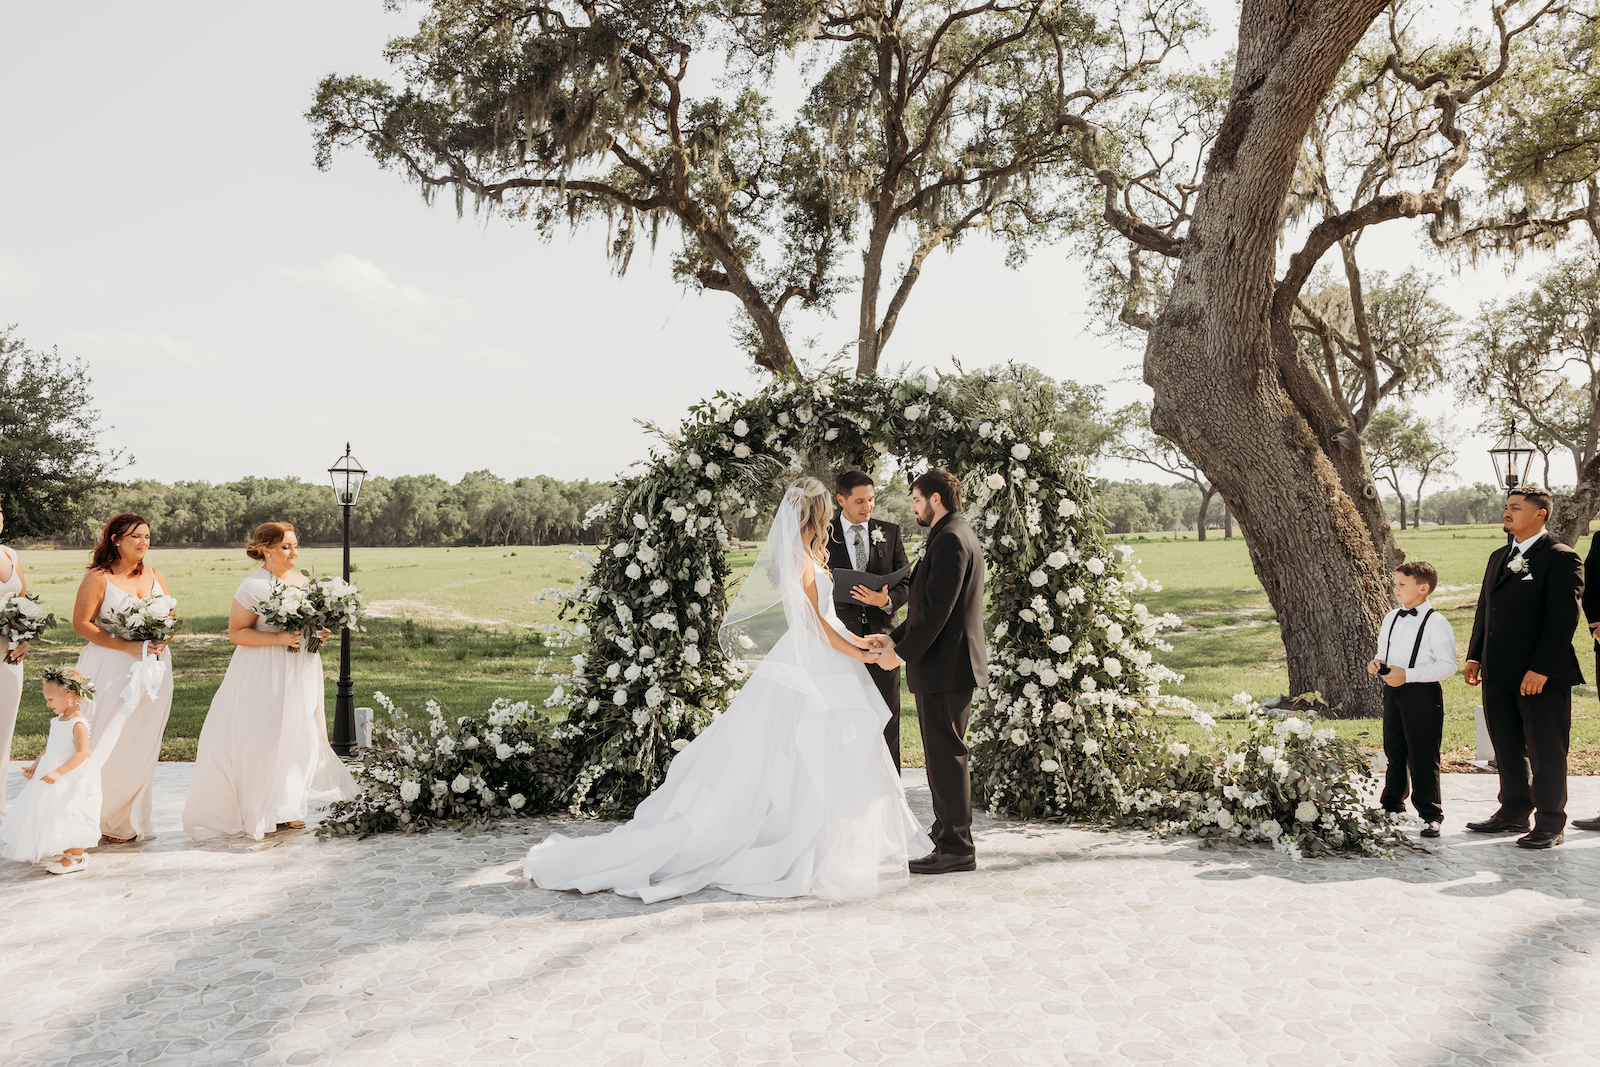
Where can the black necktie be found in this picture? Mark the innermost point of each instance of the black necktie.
(1407, 611)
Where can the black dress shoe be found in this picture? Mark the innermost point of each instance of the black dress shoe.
(1498, 825)
(1431, 830)
(1587, 824)
(1540, 839)
(940, 863)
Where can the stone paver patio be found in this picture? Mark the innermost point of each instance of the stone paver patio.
(1066, 947)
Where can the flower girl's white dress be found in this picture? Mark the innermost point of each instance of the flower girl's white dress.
(133, 729)
(47, 819)
(264, 746)
(791, 792)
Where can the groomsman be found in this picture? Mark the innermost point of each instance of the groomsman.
(861, 543)
(1521, 653)
(1591, 612)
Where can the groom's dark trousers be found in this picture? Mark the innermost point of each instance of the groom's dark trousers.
(942, 645)
(1524, 622)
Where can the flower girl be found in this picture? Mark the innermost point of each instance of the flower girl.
(59, 809)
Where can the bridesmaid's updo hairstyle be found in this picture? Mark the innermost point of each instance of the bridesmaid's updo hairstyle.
(118, 526)
(267, 536)
(816, 512)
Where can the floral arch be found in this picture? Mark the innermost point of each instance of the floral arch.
(1061, 730)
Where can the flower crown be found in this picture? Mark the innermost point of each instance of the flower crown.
(68, 679)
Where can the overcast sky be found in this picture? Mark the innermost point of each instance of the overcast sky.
(243, 313)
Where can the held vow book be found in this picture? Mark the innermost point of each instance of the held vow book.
(845, 580)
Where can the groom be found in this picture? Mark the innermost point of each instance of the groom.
(941, 643)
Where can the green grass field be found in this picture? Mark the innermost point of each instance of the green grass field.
(463, 626)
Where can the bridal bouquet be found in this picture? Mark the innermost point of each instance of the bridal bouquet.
(337, 605)
(149, 618)
(22, 619)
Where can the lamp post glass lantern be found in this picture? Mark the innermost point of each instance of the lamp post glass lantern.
(347, 474)
(1511, 457)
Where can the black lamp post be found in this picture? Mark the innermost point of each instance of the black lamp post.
(1511, 457)
(347, 474)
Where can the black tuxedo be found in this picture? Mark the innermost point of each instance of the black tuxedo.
(1524, 623)
(885, 555)
(1591, 593)
(942, 644)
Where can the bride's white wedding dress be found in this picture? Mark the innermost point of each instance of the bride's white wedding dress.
(791, 792)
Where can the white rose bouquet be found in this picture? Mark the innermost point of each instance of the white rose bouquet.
(288, 607)
(22, 619)
(150, 618)
(336, 604)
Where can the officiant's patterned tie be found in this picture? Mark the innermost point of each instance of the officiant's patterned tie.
(860, 549)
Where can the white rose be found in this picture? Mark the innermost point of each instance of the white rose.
(1018, 737)
(620, 697)
(1047, 436)
(703, 497)
(621, 549)
(1306, 811)
(832, 434)
(1048, 677)
(996, 482)
(1224, 818)
(654, 696)
(783, 418)
(741, 451)
(613, 670)
(1060, 644)
(740, 428)
(1049, 766)
(660, 586)
(1061, 710)
(712, 470)
(646, 554)
(1067, 509)
(517, 801)
(1038, 578)
(680, 744)
(639, 521)
(1178, 748)
(691, 655)
(1020, 451)
(694, 459)
(702, 587)
(1270, 827)
(409, 791)
(985, 429)
(1090, 747)
(725, 412)
(502, 751)
(679, 514)
(1096, 565)
(1056, 560)
(1030, 690)
(634, 572)
(461, 784)
(1113, 666)
(913, 413)
(1114, 633)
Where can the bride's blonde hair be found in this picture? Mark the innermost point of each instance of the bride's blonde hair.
(816, 513)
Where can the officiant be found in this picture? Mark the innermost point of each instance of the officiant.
(858, 542)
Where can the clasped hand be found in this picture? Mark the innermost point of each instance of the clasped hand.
(880, 651)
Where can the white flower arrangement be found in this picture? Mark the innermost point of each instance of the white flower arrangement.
(21, 620)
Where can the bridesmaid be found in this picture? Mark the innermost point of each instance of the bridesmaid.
(117, 574)
(264, 746)
(11, 581)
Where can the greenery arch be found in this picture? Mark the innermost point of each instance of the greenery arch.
(1059, 732)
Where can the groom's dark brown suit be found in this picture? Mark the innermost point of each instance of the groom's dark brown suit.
(942, 645)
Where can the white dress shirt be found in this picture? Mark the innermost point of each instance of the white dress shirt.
(850, 544)
(1523, 546)
(1436, 659)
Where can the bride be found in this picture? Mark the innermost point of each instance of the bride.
(791, 791)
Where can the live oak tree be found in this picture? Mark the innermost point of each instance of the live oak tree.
(918, 125)
(1232, 387)
(1537, 355)
(51, 457)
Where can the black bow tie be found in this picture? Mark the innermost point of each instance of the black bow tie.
(1408, 611)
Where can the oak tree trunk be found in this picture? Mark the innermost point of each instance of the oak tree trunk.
(1230, 385)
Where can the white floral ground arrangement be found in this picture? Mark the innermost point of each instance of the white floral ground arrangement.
(1066, 728)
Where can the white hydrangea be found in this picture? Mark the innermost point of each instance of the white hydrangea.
(1178, 748)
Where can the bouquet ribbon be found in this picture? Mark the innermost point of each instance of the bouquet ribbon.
(147, 675)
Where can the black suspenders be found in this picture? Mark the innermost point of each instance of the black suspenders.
(1416, 648)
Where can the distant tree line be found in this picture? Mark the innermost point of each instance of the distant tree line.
(480, 509)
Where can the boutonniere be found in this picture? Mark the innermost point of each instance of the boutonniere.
(877, 536)
(1518, 565)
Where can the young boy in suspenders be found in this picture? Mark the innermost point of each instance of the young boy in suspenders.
(1416, 651)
